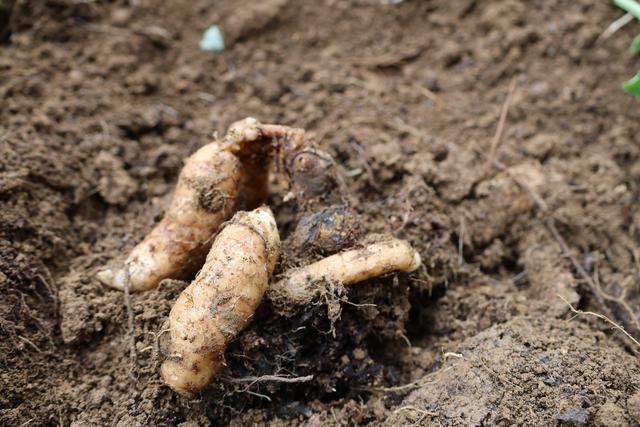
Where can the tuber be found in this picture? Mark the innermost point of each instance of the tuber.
(215, 181)
(325, 232)
(299, 286)
(221, 300)
(313, 178)
(325, 222)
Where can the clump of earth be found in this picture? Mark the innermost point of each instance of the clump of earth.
(100, 103)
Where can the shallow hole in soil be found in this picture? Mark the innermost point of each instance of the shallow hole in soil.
(423, 308)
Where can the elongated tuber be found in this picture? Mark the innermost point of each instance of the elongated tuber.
(204, 198)
(300, 285)
(219, 303)
(253, 143)
(216, 180)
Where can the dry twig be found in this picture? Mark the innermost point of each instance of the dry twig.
(615, 26)
(601, 317)
(495, 143)
(271, 378)
(130, 320)
(594, 287)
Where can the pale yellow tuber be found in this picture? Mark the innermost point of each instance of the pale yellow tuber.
(215, 181)
(299, 286)
(222, 299)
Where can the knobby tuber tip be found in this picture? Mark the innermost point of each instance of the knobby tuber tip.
(221, 300)
(313, 177)
(352, 266)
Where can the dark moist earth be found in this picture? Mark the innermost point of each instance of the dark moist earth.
(100, 102)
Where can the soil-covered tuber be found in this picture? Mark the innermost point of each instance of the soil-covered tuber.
(313, 178)
(325, 232)
(204, 198)
(215, 181)
(300, 285)
(219, 303)
(325, 224)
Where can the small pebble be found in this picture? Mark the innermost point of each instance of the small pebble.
(212, 39)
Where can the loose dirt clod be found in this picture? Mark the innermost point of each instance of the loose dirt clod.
(535, 359)
(499, 201)
(402, 112)
(221, 300)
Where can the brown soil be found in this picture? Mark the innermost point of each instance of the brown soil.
(101, 101)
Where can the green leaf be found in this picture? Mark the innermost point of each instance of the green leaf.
(635, 45)
(630, 6)
(633, 86)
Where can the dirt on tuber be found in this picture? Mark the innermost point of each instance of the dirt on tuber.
(326, 223)
(325, 232)
(218, 179)
(301, 285)
(221, 300)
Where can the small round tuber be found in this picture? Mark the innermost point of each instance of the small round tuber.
(325, 232)
(221, 300)
(314, 179)
(299, 286)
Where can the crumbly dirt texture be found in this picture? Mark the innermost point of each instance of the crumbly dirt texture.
(100, 103)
